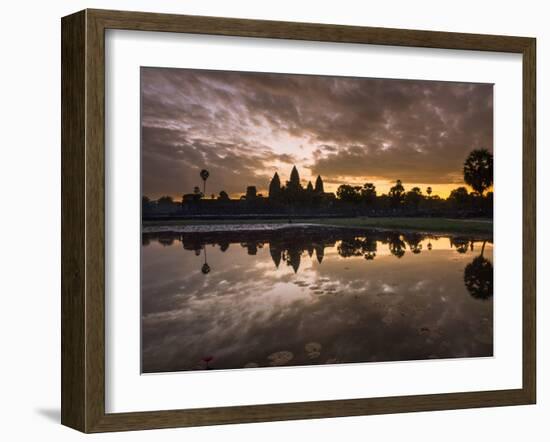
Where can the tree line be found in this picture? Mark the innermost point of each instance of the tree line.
(293, 197)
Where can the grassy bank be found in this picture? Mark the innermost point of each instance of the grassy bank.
(423, 224)
(418, 224)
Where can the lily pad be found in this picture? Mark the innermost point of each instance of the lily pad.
(313, 347)
(280, 358)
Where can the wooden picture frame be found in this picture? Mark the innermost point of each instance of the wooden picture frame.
(83, 220)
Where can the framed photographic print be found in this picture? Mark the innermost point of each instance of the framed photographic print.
(268, 220)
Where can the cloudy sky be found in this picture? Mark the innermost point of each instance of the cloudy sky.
(243, 127)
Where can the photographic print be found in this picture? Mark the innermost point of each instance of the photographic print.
(297, 220)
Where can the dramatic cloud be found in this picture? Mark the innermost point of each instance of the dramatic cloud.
(243, 127)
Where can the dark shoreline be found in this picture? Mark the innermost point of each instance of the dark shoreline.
(427, 226)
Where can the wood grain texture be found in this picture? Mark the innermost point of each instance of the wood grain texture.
(529, 220)
(83, 220)
(144, 21)
(73, 257)
(95, 222)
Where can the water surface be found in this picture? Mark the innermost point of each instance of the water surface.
(304, 296)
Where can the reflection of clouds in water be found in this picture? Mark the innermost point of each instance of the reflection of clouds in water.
(246, 309)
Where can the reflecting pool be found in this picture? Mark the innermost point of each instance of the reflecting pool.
(303, 295)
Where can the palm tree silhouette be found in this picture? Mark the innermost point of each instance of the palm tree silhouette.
(205, 269)
(478, 170)
(397, 245)
(478, 277)
(429, 191)
(204, 175)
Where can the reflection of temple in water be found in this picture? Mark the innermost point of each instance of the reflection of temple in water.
(276, 253)
(291, 252)
(290, 245)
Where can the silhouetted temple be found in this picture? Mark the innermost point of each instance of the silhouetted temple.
(281, 199)
(293, 188)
